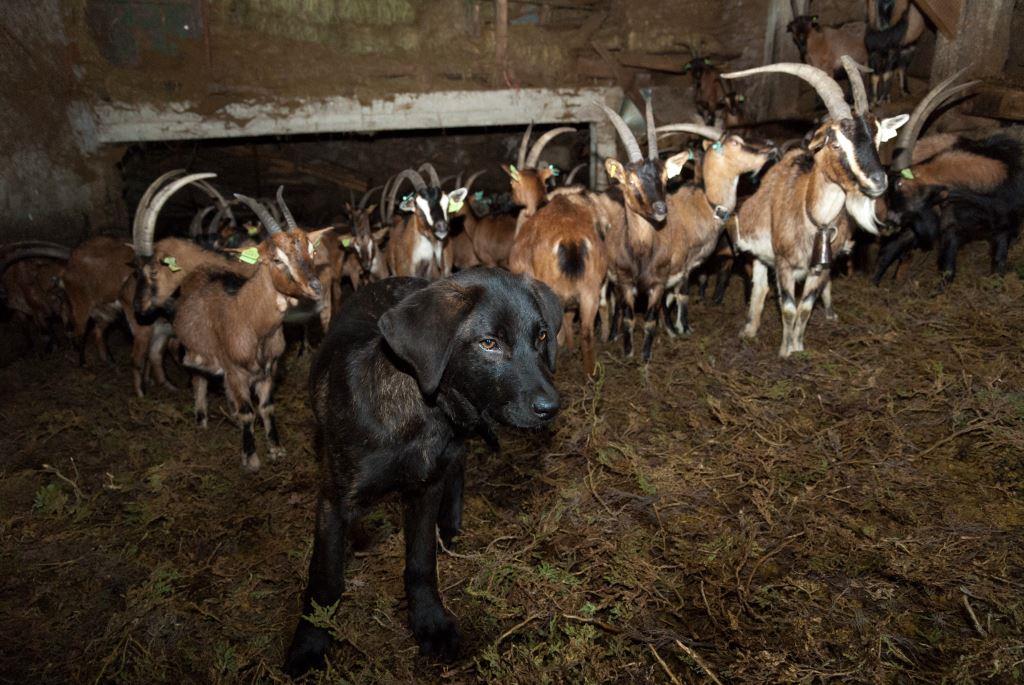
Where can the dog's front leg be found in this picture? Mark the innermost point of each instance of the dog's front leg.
(326, 583)
(431, 624)
(450, 516)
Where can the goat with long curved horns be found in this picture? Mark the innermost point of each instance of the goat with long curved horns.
(794, 221)
(420, 246)
(529, 189)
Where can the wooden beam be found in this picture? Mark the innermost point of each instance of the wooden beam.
(945, 14)
(998, 103)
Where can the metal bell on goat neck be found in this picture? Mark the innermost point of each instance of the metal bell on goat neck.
(821, 257)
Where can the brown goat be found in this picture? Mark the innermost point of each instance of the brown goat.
(529, 184)
(30, 275)
(231, 326)
(489, 237)
(790, 222)
(893, 30)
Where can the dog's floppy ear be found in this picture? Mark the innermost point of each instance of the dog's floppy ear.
(421, 329)
(551, 311)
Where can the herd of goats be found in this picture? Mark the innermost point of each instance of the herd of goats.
(221, 298)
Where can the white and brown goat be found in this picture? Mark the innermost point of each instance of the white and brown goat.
(420, 244)
(792, 222)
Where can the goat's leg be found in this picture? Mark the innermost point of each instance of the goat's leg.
(264, 393)
(722, 278)
(826, 300)
(785, 280)
(431, 624)
(948, 247)
(813, 285)
(200, 386)
(758, 294)
(566, 332)
(238, 387)
(589, 302)
(628, 294)
(449, 521)
(683, 306)
(1000, 252)
(616, 307)
(604, 310)
(162, 333)
(651, 320)
(892, 251)
(323, 589)
(142, 336)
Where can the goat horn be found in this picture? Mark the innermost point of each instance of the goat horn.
(288, 218)
(471, 179)
(860, 94)
(538, 147)
(414, 178)
(450, 177)
(572, 174)
(652, 138)
(434, 180)
(929, 103)
(269, 222)
(195, 229)
(31, 250)
(627, 137)
(709, 132)
(384, 215)
(523, 145)
(827, 88)
(148, 196)
(142, 238)
(367, 195)
(221, 202)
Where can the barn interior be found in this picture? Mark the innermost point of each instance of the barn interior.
(850, 513)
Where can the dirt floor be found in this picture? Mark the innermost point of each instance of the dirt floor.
(851, 515)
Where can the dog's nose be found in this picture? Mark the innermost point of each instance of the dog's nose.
(546, 406)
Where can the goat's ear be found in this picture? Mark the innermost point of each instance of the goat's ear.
(422, 330)
(674, 164)
(379, 234)
(407, 204)
(318, 235)
(369, 210)
(545, 173)
(458, 195)
(888, 127)
(615, 170)
(551, 312)
(511, 170)
(348, 208)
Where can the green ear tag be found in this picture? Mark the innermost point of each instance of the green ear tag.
(514, 172)
(454, 206)
(717, 146)
(252, 229)
(478, 196)
(172, 264)
(249, 255)
(554, 170)
(907, 174)
(346, 242)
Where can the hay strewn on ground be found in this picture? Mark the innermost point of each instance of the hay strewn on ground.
(851, 515)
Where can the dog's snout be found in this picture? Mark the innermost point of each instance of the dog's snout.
(546, 406)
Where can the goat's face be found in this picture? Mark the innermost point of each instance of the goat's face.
(289, 256)
(733, 156)
(432, 205)
(800, 28)
(158, 279)
(696, 67)
(643, 187)
(363, 243)
(847, 151)
(529, 186)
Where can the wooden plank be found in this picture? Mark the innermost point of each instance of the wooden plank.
(998, 103)
(945, 14)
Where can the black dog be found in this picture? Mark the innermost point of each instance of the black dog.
(407, 371)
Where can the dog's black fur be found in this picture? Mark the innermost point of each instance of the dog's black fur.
(408, 370)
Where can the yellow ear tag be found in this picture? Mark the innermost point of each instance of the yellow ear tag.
(907, 174)
(514, 172)
(249, 255)
(172, 264)
(252, 230)
(346, 242)
(454, 206)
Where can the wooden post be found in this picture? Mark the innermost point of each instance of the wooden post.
(981, 40)
(501, 39)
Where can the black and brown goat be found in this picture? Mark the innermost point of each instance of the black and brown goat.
(708, 87)
(698, 212)
(949, 190)
(790, 223)
(362, 260)
(30, 274)
(894, 27)
(529, 184)
(420, 245)
(231, 326)
(824, 47)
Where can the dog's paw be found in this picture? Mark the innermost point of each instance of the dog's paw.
(306, 652)
(437, 635)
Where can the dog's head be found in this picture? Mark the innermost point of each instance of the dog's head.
(485, 337)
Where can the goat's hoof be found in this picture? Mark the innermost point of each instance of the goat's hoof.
(830, 315)
(251, 463)
(436, 634)
(202, 421)
(748, 333)
(277, 452)
(170, 387)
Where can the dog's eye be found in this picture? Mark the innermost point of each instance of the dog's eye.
(488, 344)
(543, 336)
